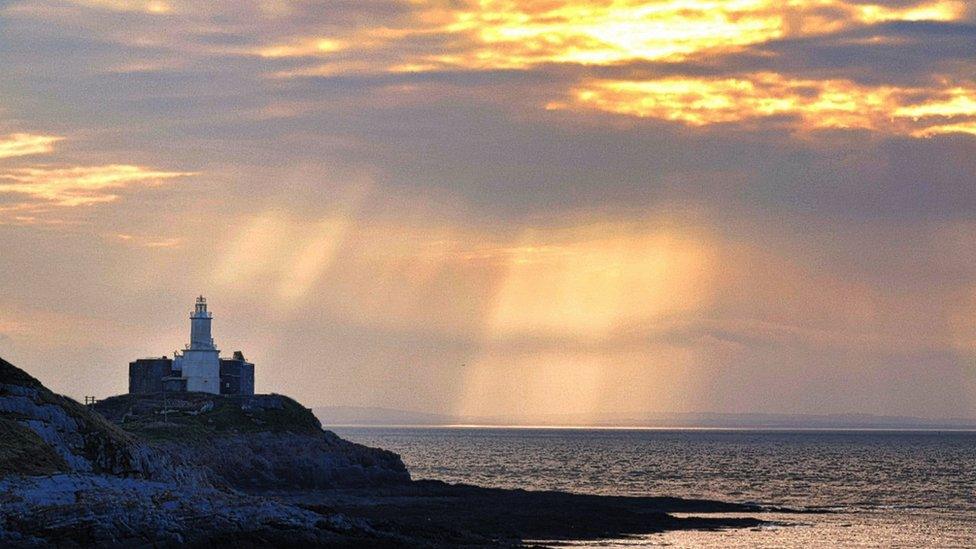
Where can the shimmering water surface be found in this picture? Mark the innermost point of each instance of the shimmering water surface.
(909, 489)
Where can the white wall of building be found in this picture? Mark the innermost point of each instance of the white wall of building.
(201, 368)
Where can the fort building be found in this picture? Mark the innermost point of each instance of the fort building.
(197, 368)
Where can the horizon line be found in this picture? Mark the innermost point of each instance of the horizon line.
(965, 429)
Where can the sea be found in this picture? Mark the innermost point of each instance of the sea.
(877, 488)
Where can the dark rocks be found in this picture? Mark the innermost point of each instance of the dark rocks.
(69, 477)
(252, 442)
(275, 460)
(451, 515)
(107, 511)
(38, 421)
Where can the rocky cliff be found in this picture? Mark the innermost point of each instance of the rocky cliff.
(47, 433)
(252, 442)
(69, 476)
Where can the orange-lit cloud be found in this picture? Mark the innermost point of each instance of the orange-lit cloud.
(516, 34)
(510, 34)
(157, 7)
(818, 104)
(21, 144)
(962, 127)
(505, 34)
(148, 241)
(301, 48)
(77, 186)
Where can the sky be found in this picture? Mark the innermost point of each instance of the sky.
(498, 207)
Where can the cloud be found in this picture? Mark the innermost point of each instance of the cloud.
(815, 104)
(497, 34)
(143, 6)
(21, 144)
(895, 53)
(49, 186)
(144, 241)
(64, 186)
(306, 47)
(709, 62)
(80, 185)
(852, 54)
(606, 33)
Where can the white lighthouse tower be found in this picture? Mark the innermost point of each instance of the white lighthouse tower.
(199, 363)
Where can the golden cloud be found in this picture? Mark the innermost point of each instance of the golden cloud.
(493, 34)
(148, 241)
(507, 34)
(22, 144)
(817, 104)
(517, 34)
(962, 127)
(80, 185)
(510, 34)
(302, 48)
(157, 7)
(953, 102)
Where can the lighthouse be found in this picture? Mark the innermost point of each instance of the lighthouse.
(197, 368)
(199, 363)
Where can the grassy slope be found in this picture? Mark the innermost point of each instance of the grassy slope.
(189, 416)
(101, 437)
(23, 452)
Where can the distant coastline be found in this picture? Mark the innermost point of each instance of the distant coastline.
(352, 416)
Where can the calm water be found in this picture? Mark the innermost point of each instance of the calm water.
(913, 489)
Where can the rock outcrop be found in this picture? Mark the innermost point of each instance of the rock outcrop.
(107, 511)
(69, 476)
(254, 442)
(44, 432)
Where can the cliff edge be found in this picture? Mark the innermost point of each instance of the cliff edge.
(252, 442)
(70, 477)
(46, 433)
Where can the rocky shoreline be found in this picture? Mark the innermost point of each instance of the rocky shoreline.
(205, 470)
(440, 514)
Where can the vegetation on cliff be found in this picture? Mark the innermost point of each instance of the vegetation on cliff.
(24, 452)
(201, 416)
(252, 442)
(70, 477)
(44, 432)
